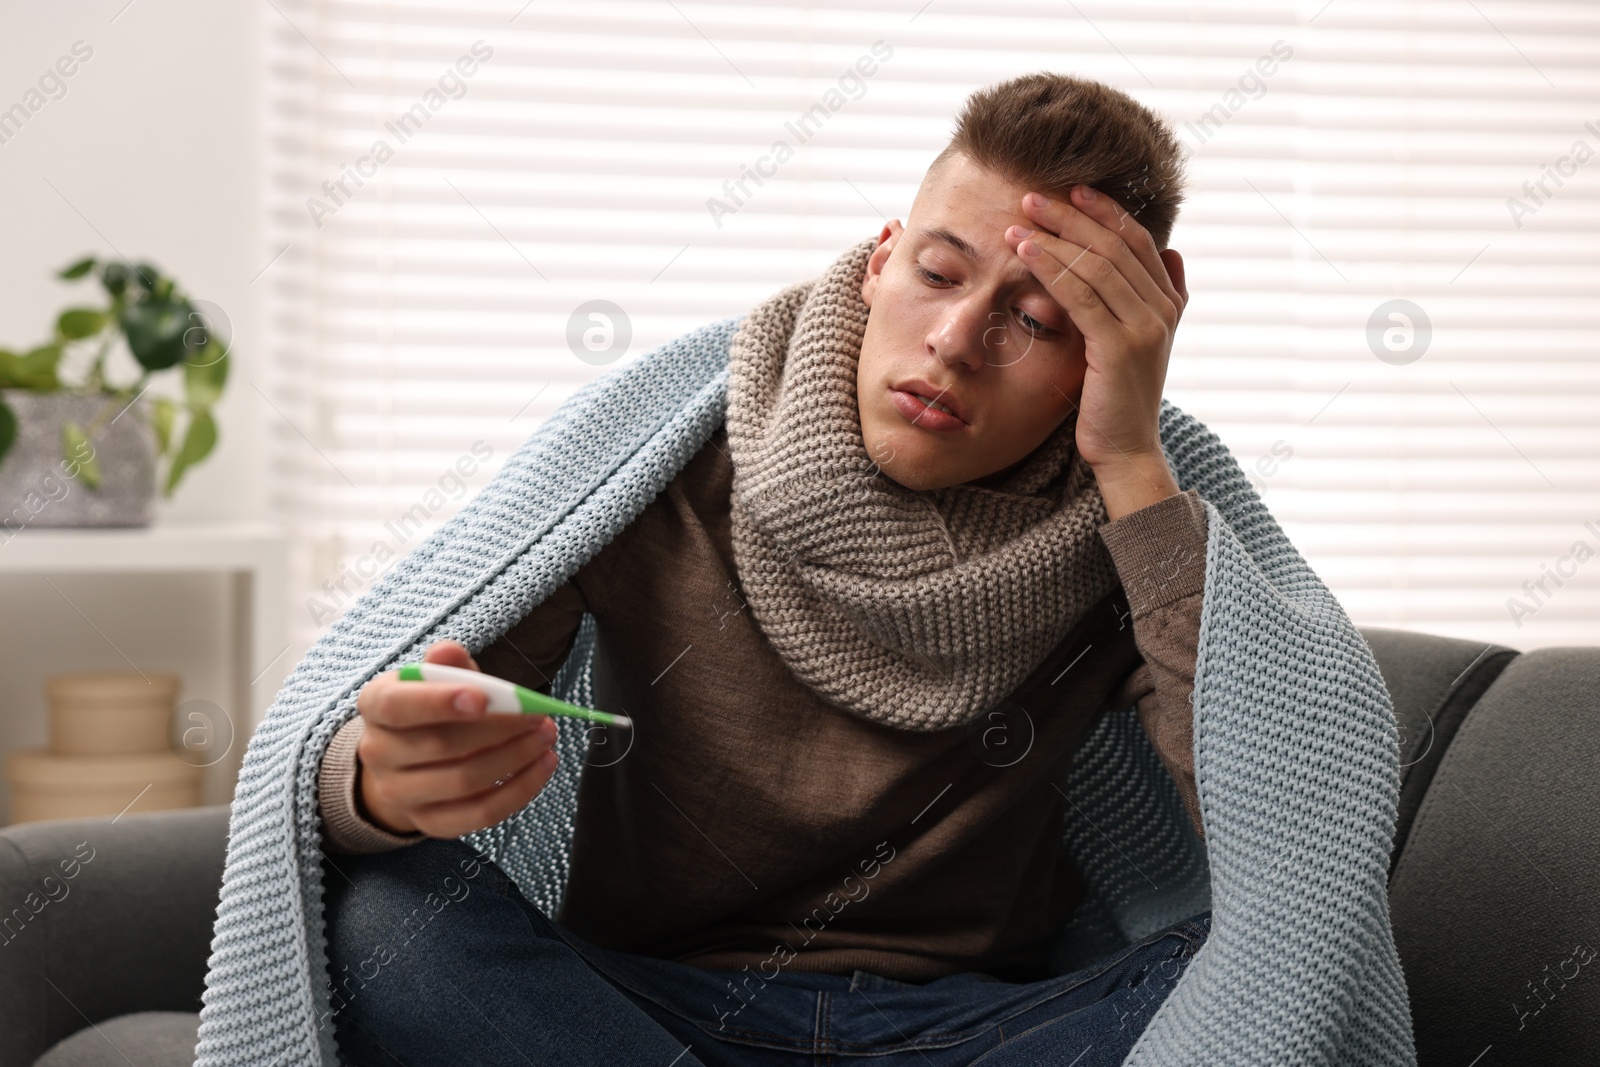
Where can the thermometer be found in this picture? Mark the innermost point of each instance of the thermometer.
(507, 697)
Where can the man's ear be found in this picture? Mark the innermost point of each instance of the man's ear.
(886, 241)
(1173, 261)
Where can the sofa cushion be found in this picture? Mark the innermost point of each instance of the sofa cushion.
(143, 1039)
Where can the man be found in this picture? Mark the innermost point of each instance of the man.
(861, 635)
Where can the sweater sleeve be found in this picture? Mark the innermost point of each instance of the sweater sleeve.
(1160, 555)
(529, 653)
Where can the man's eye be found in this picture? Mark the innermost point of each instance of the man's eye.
(1034, 325)
(930, 277)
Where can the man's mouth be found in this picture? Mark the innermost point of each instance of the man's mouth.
(942, 398)
(922, 407)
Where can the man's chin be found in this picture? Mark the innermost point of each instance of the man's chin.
(916, 468)
(907, 455)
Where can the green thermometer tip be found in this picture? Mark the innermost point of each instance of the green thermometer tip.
(535, 703)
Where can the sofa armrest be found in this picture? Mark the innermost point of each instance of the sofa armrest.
(101, 917)
(1434, 682)
(1496, 899)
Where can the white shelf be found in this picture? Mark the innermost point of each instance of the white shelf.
(234, 546)
(253, 555)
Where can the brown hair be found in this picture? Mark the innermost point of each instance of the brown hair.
(1050, 132)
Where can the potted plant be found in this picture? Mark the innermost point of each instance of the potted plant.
(78, 449)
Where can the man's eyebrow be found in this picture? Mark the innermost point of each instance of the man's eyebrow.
(954, 240)
(1017, 273)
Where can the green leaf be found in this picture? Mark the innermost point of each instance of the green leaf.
(41, 364)
(115, 277)
(198, 441)
(209, 332)
(163, 412)
(79, 454)
(78, 323)
(203, 381)
(35, 370)
(8, 428)
(155, 330)
(77, 270)
(11, 371)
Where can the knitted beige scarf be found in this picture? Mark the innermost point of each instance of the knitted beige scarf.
(918, 609)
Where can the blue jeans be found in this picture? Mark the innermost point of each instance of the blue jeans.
(436, 958)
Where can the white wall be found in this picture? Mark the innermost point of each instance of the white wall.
(153, 149)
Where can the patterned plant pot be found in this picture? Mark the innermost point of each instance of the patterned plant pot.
(40, 485)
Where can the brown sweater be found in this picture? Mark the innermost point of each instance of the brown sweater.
(751, 823)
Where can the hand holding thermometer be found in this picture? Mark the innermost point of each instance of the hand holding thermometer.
(507, 697)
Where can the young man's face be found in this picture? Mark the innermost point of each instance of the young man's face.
(977, 331)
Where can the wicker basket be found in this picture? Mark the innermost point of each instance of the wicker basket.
(109, 749)
(46, 785)
(103, 713)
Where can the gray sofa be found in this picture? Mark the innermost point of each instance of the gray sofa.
(1494, 883)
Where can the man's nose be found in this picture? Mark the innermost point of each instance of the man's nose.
(963, 332)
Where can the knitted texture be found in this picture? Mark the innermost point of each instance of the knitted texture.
(917, 609)
(1296, 755)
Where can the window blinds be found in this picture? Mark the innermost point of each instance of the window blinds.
(474, 208)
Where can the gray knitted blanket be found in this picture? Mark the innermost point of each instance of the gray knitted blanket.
(1295, 748)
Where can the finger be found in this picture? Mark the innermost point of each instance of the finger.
(387, 749)
(1098, 257)
(388, 702)
(454, 818)
(454, 780)
(1106, 210)
(1059, 259)
(1103, 226)
(451, 653)
(1123, 230)
(1087, 311)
